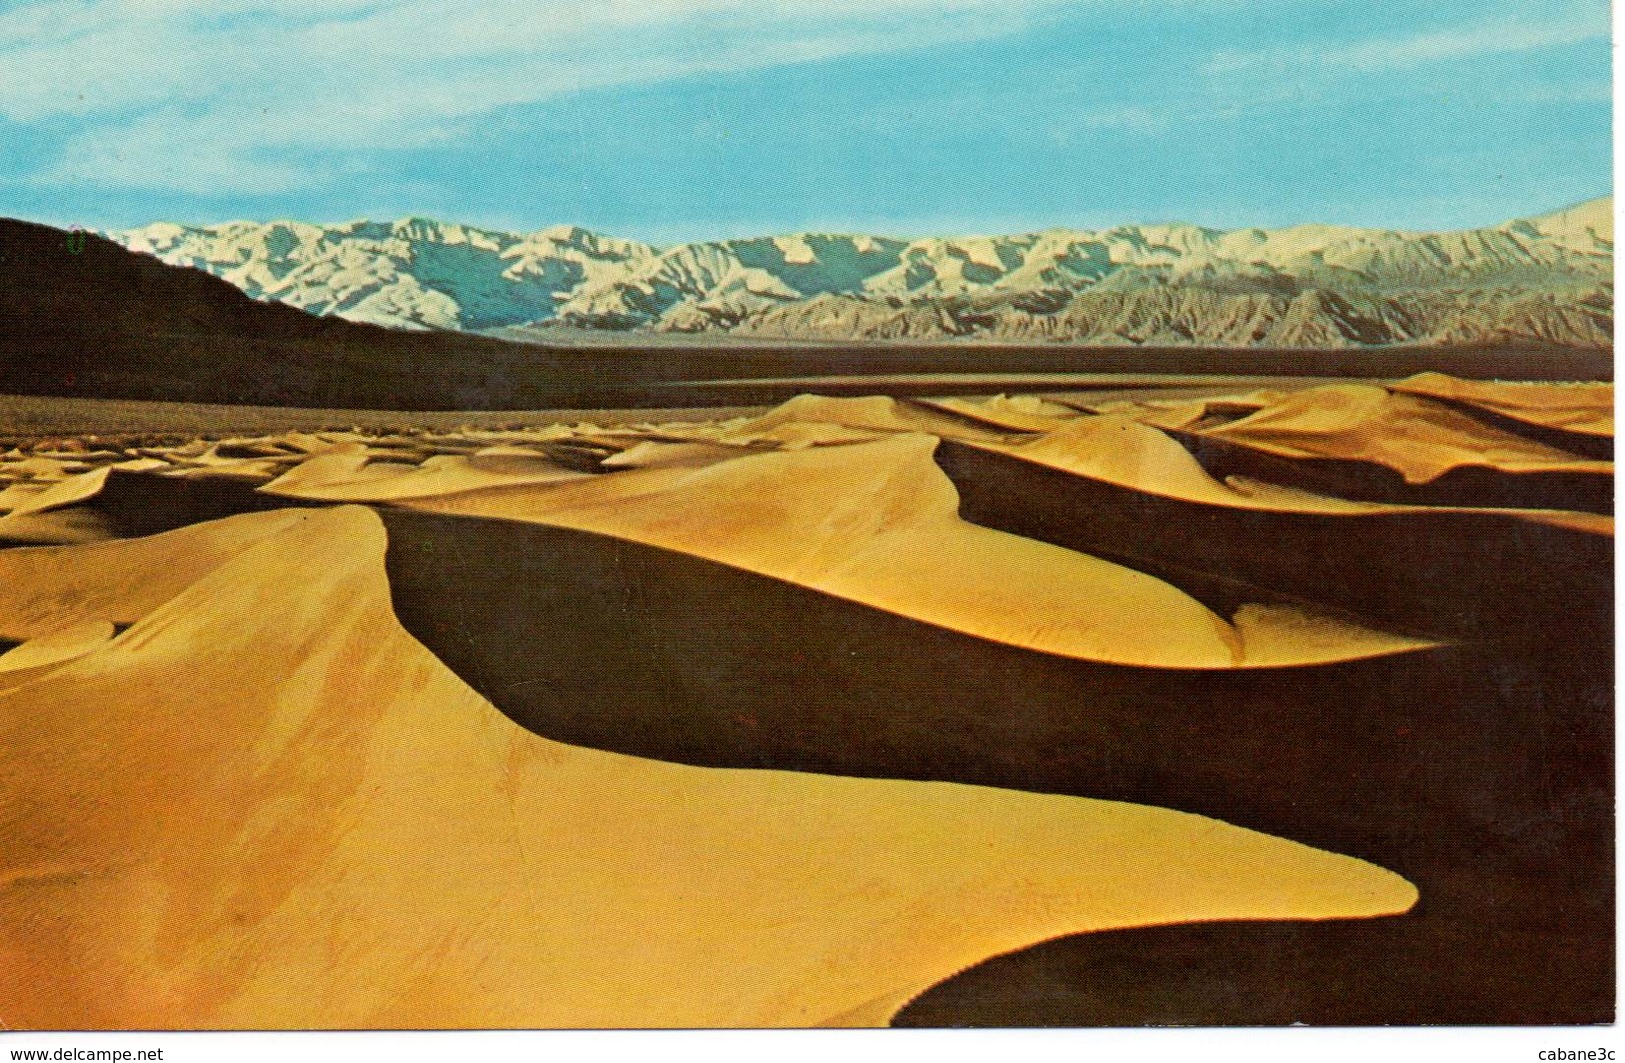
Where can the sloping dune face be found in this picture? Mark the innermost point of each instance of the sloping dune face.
(1023, 413)
(814, 420)
(1580, 407)
(64, 644)
(878, 523)
(38, 511)
(1420, 440)
(265, 806)
(352, 476)
(1121, 449)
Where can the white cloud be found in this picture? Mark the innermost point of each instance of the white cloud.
(1400, 52)
(205, 95)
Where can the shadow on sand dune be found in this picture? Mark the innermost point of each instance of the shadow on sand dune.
(1482, 772)
(1370, 482)
(1453, 575)
(1581, 444)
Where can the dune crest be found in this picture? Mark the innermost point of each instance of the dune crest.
(878, 523)
(1130, 452)
(818, 419)
(1420, 440)
(356, 478)
(652, 454)
(66, 643)
(1020, 413)
(1176, 414)
(1585, 408)
(1125, 451)
(336, 832)
(54, 494)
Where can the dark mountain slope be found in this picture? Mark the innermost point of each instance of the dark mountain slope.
(110, 323)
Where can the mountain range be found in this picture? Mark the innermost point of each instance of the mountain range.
(1546, 279)
(81, 315)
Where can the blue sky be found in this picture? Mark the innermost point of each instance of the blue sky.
(681, 119)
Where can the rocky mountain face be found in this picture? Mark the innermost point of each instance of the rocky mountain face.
(1545, 279)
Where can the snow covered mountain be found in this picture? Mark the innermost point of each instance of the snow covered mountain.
(413, 273)
(1548, 277)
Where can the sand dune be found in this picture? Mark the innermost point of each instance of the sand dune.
(264, 805)
(810, 420)
(64, 644)
(40, 511)
(918, 589)
(355, 477)
(1451, 573)
(1125, 451)
(1022, 413)
(57, 527)
(39, 466)
(842, 495)
(650, 454)
(19, 493)
(1417, 429)
(1587, 409)
(52, 494)
(1130, 452)
(878, 523)
(1418, 439)
(1184, 413)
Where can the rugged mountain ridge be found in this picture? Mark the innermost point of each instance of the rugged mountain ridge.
(1547, 279)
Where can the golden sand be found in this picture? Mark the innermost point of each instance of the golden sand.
(1127, 451)
(817, 420)
(67, 491)
(1021, 413)
(650, 454)
(58, 527)
(1420, 440)
(1584, 408)
(878, 523)
(265, 806)
(66, 643)
(41, 511)
(1121, 450)
(353, 477)
(1183, 413)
